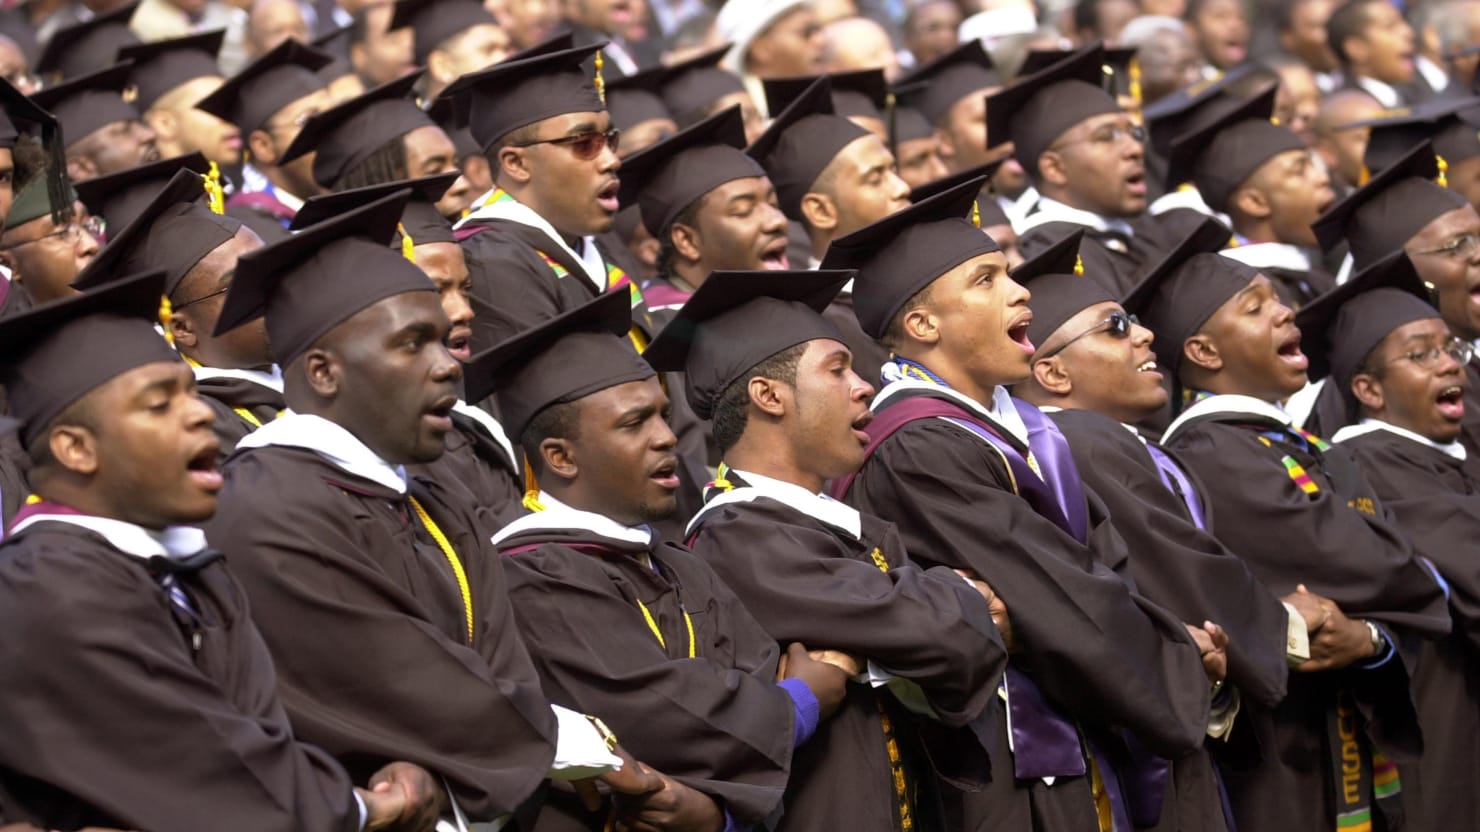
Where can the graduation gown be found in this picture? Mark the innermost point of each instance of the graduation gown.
(476, 463)
(1322, 526)
(367, 623)
(1469, 435)
(818, 582)
(241, 406)
(582, 597)
(1435, 499)
(1078, 625)
(112, 718)
(1116, 259)
(1184, 568)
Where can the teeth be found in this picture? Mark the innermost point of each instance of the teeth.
(1149, 365)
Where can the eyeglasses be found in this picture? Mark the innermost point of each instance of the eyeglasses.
(1457, 348)
(1118, 325)
(1109, 134)
(1462, 247)
(585, 146)
(69, 233)
(296, 121)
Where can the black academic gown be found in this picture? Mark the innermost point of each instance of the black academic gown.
(1186, 570)
(112, 718)
(240, 406)
(476, 464)
(1340, 543)
(716, 722)
(1117, 260)
(366, 620)
(1077, 624)
(809, 581)
(1436, 501)
(1469, 435)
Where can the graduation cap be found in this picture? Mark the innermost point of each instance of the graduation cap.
(285, 74)
(1182, 291)
(584, 351)
(88, 46)
(1379, 217)
(633, 99)
(987, 211)
(335, 43)
(736, 320)
(1223, 153)
(443, 111)
(860, 94)
(1189, 107)
(1447, 124)
(801, 142)
(690, 86)
(905, 123)
(1349, 321)
(669, 176)
(19, 113)
(349, 133)
(526, 88)
(36, 199)
(172, 232)
(160, 66)
(315, 280)
(434, 21)
(90, 102)
(908, 250)
(934, 88)
(1036, 109)
(1120, 74)
(421, 222)
(113, 327)
(1060, 287)
(120, 197)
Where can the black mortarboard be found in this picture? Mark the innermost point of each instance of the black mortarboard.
(584, 351)
(36, 199)
(905, 123)
(1445, 123)
(251, 97)
(443, 111)
(1223, 153)
(87, 46)
(310, 283)
(633, 99)
(19, 113)
(172, 232)
(90, 102)
(1182, 291)
(349, 133)
(1060, 288)
(58, 352)
(420, 220)
(1189, 107)
(1379, 217)
(524, 89)
(1036, 109)
(863, 93)
(120, 197)
(666, 178)
(801, 142)
(934, 88)
(335, 42)
(160, 66)
(1115, 72)
(691, 86)
(434, 21)
(908, 250)
(988, 210)
(735, 321)
(1344, 325)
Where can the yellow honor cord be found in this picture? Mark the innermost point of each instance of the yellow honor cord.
(457, 568)
(166, 311)
(215, 194)
(653, 625)
(408, 245)
(1442, 180)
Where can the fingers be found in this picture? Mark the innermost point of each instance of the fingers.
(586, 791)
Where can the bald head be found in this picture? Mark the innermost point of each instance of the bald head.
(270, 22)
(859, 43)
(1343, 149)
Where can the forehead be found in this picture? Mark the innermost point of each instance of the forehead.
(621, 398)
(575, 122)
(753, 187)
(1460, 220)
(1428, 329)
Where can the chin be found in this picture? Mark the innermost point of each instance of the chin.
(192, 511)
(661, 508)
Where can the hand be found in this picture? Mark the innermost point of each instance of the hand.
(1340, 642)
(383, 805)
(848, 663)
(426, 800)
(1212, 642)
(673, 808)
(995, 605)
(633, 778)
(826, 682)
(1309, 605)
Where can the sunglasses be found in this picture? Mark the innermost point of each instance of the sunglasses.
(585, 146)
(1118, 325)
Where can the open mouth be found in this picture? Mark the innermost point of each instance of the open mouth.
(439, 415)
(773, 256)
(860, 423)
(1018, 332)
(666, 474)
(1289, 352)
(1135, 183)
(1451, 403)
(202, 468)
(457, 344)
(1149, 366)
(607, 197)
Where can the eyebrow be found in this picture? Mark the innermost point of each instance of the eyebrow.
(165, 385)
(583, 127)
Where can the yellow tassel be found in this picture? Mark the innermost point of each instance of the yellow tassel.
(166, 311)
(1134, 70)
(976, 214)
(215, 194)
(600, 82)
(408, 246)
(1442, 180)
(531, 490)
(1365, 177)
(1078, 266)
(1275, 120)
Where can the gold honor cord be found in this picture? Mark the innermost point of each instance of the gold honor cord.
(457, 568)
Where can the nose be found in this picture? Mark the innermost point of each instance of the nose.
(1141, 336)
(608, 161)
(143, 132)
(899, 190)
(447, 368)
(775, 222)
(663, 437)
(457, 307)
(198, 414)
(1018, 294)
(861, 390)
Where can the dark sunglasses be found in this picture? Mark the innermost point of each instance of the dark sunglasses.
(1118, 325)
(585, 146)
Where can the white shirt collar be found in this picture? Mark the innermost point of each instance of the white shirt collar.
(1017, 209)
(1002, 412)
(1384, 93)
(558, 515)
(271, 379)
(330, 441)
(817, 506)
(486, 421)
(1433, 74)
(1188, 197)
(513, 210)
(1452, 449)
(173, 542)
(1270, 256)
(1051, 210)
(1228, 403)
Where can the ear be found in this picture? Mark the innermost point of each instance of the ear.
(1051, 168)
(322, 370)
(767, 396)
(162, 122)
(820, 211)
(1356, 50)
(1049, 374)
(80, 168)
(1202, 352)
(559, 457)
(262, 148)
(74, 447)
(513, 165)
(919, 325)
(686, 242)
(943, 144)
(439, 67)
(1368, 390)
(1252, 203)
(182, 329)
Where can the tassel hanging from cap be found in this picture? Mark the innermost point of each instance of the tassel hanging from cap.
(1078, 266)
(1442, 180)
(408, 245)
(1365, 176)
(166, 311)
(600, 81)
(215, 194)
(531, 489)
(1133, 71)
(976, 214)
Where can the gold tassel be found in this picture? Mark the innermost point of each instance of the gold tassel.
(1078, 266)
(215, 194)
(531, 489)
(1442, 180)
(600, 82)
(166, 311)
(408, 246)
(1365, 177)
(976, 214)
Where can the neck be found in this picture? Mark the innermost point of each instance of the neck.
(688, 278)
(572, 494)
(1255, 231)
(820, 240)
(771, 456)
(958, 379)
(205, 355)
(284, 182)
(527, 196)
(1061, 194)
(63, 489)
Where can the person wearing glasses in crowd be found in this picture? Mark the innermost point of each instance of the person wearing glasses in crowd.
(1084, 154)
(1402, 372)
(104, 133)
(45, 245)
